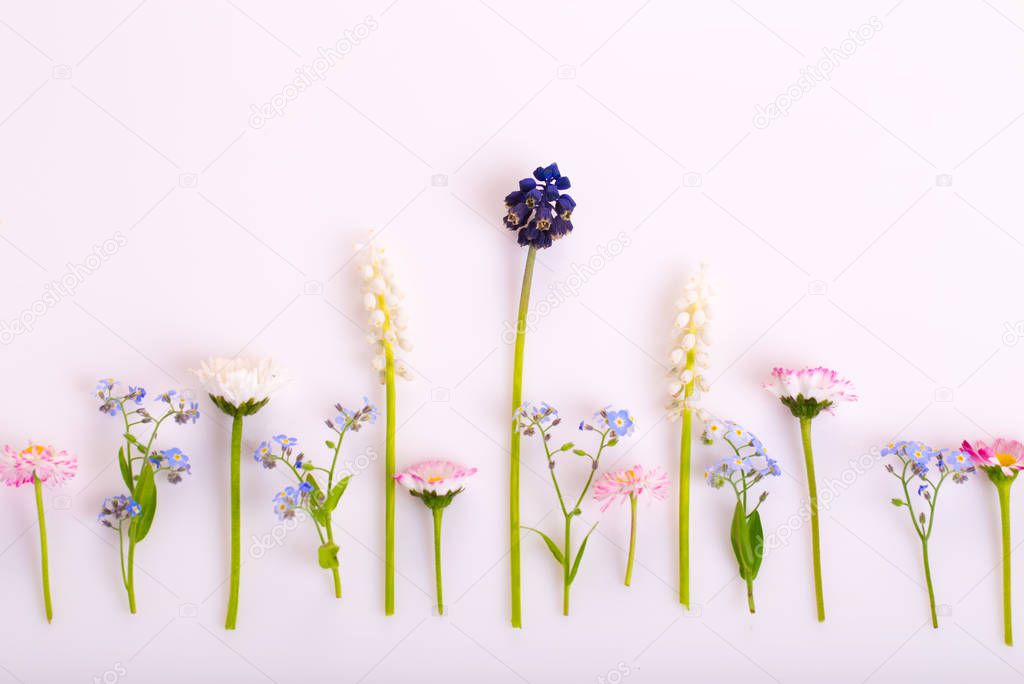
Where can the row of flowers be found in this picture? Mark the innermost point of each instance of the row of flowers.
(540, 213)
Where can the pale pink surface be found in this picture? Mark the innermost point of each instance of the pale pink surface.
(1005, 454)
(51, 466)
(821, 384)
(619, 485)
(436, 476)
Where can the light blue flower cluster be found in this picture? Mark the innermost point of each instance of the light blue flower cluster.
(291, 499)
(173, 461)
(117, 509)
(531, 416)
(918, 458)
(618, 421)
(750, 458)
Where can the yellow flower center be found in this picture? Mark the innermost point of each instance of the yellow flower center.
(1005, 459)
(434, 480)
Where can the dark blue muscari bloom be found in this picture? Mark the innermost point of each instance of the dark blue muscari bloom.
(538, 210)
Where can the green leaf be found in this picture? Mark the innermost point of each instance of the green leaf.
(740, 538)
(126, 469)
(567, 446)
(145, 496)
(327, 555)
(899, 502)
(335, 494)
(579, 555)
(612, 442)
(580, 452)
(756, 535)
(551, 544)
(330, 444)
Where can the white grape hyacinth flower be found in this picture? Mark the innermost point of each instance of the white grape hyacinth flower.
(244, 385)
(383, 301)
(690, 340)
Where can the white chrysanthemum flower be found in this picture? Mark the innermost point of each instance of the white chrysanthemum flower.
(691, 337)
(382, 298)
(242, 383)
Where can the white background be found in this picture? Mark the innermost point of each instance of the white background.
(832, 240)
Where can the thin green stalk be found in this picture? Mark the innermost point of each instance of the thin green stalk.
(805, 434)
(42, 543)
(566, 559)
(1004, 511)
(928, 581)
(389, 482)
(129, 582)
(750, 595)
(236, 520)
(684, 507)
(438, 512)
(513, 480)
(632, 538)
(335, 572)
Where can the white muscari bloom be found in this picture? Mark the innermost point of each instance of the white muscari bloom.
(691, 337)
(242, 381)
(382, 299)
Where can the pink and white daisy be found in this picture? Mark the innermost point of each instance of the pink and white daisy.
(821, 385)
(622, 485)
(52, 467)
(437, 477)
(1005, 454)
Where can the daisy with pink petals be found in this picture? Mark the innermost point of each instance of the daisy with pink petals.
(38, 464)
(629, 485)
(436, 483)
(1002, 460)
(806, 393)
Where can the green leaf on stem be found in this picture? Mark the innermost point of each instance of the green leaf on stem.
(126, 469)
(567, 446)
(612, 442)
(327, 555)
(330, 445)
(335, 494)
(740, 538)
(580, 452)
(552, 546)
(134, 440)
(899, 502)
(579, 555)
(756, 534)
(145, 496)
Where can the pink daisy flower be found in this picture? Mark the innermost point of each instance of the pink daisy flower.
(823, 385)
(1005, 454)
(37, 464)
(438, 477)
(52, 467)
(622, 485)
(629, 485)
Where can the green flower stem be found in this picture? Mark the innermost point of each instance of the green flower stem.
(812, 487)
(389, 482)
(513, 480)
(129, 580)
(42, 543)
(438, 512)
(566, 560)
(928, 581)
(236, 523)
(335, 572)
(684, 505)
(1003, 487)
(632, 538)
(750, 595)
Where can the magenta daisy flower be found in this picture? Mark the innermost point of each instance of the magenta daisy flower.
(1002, 460)
(630, 484)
